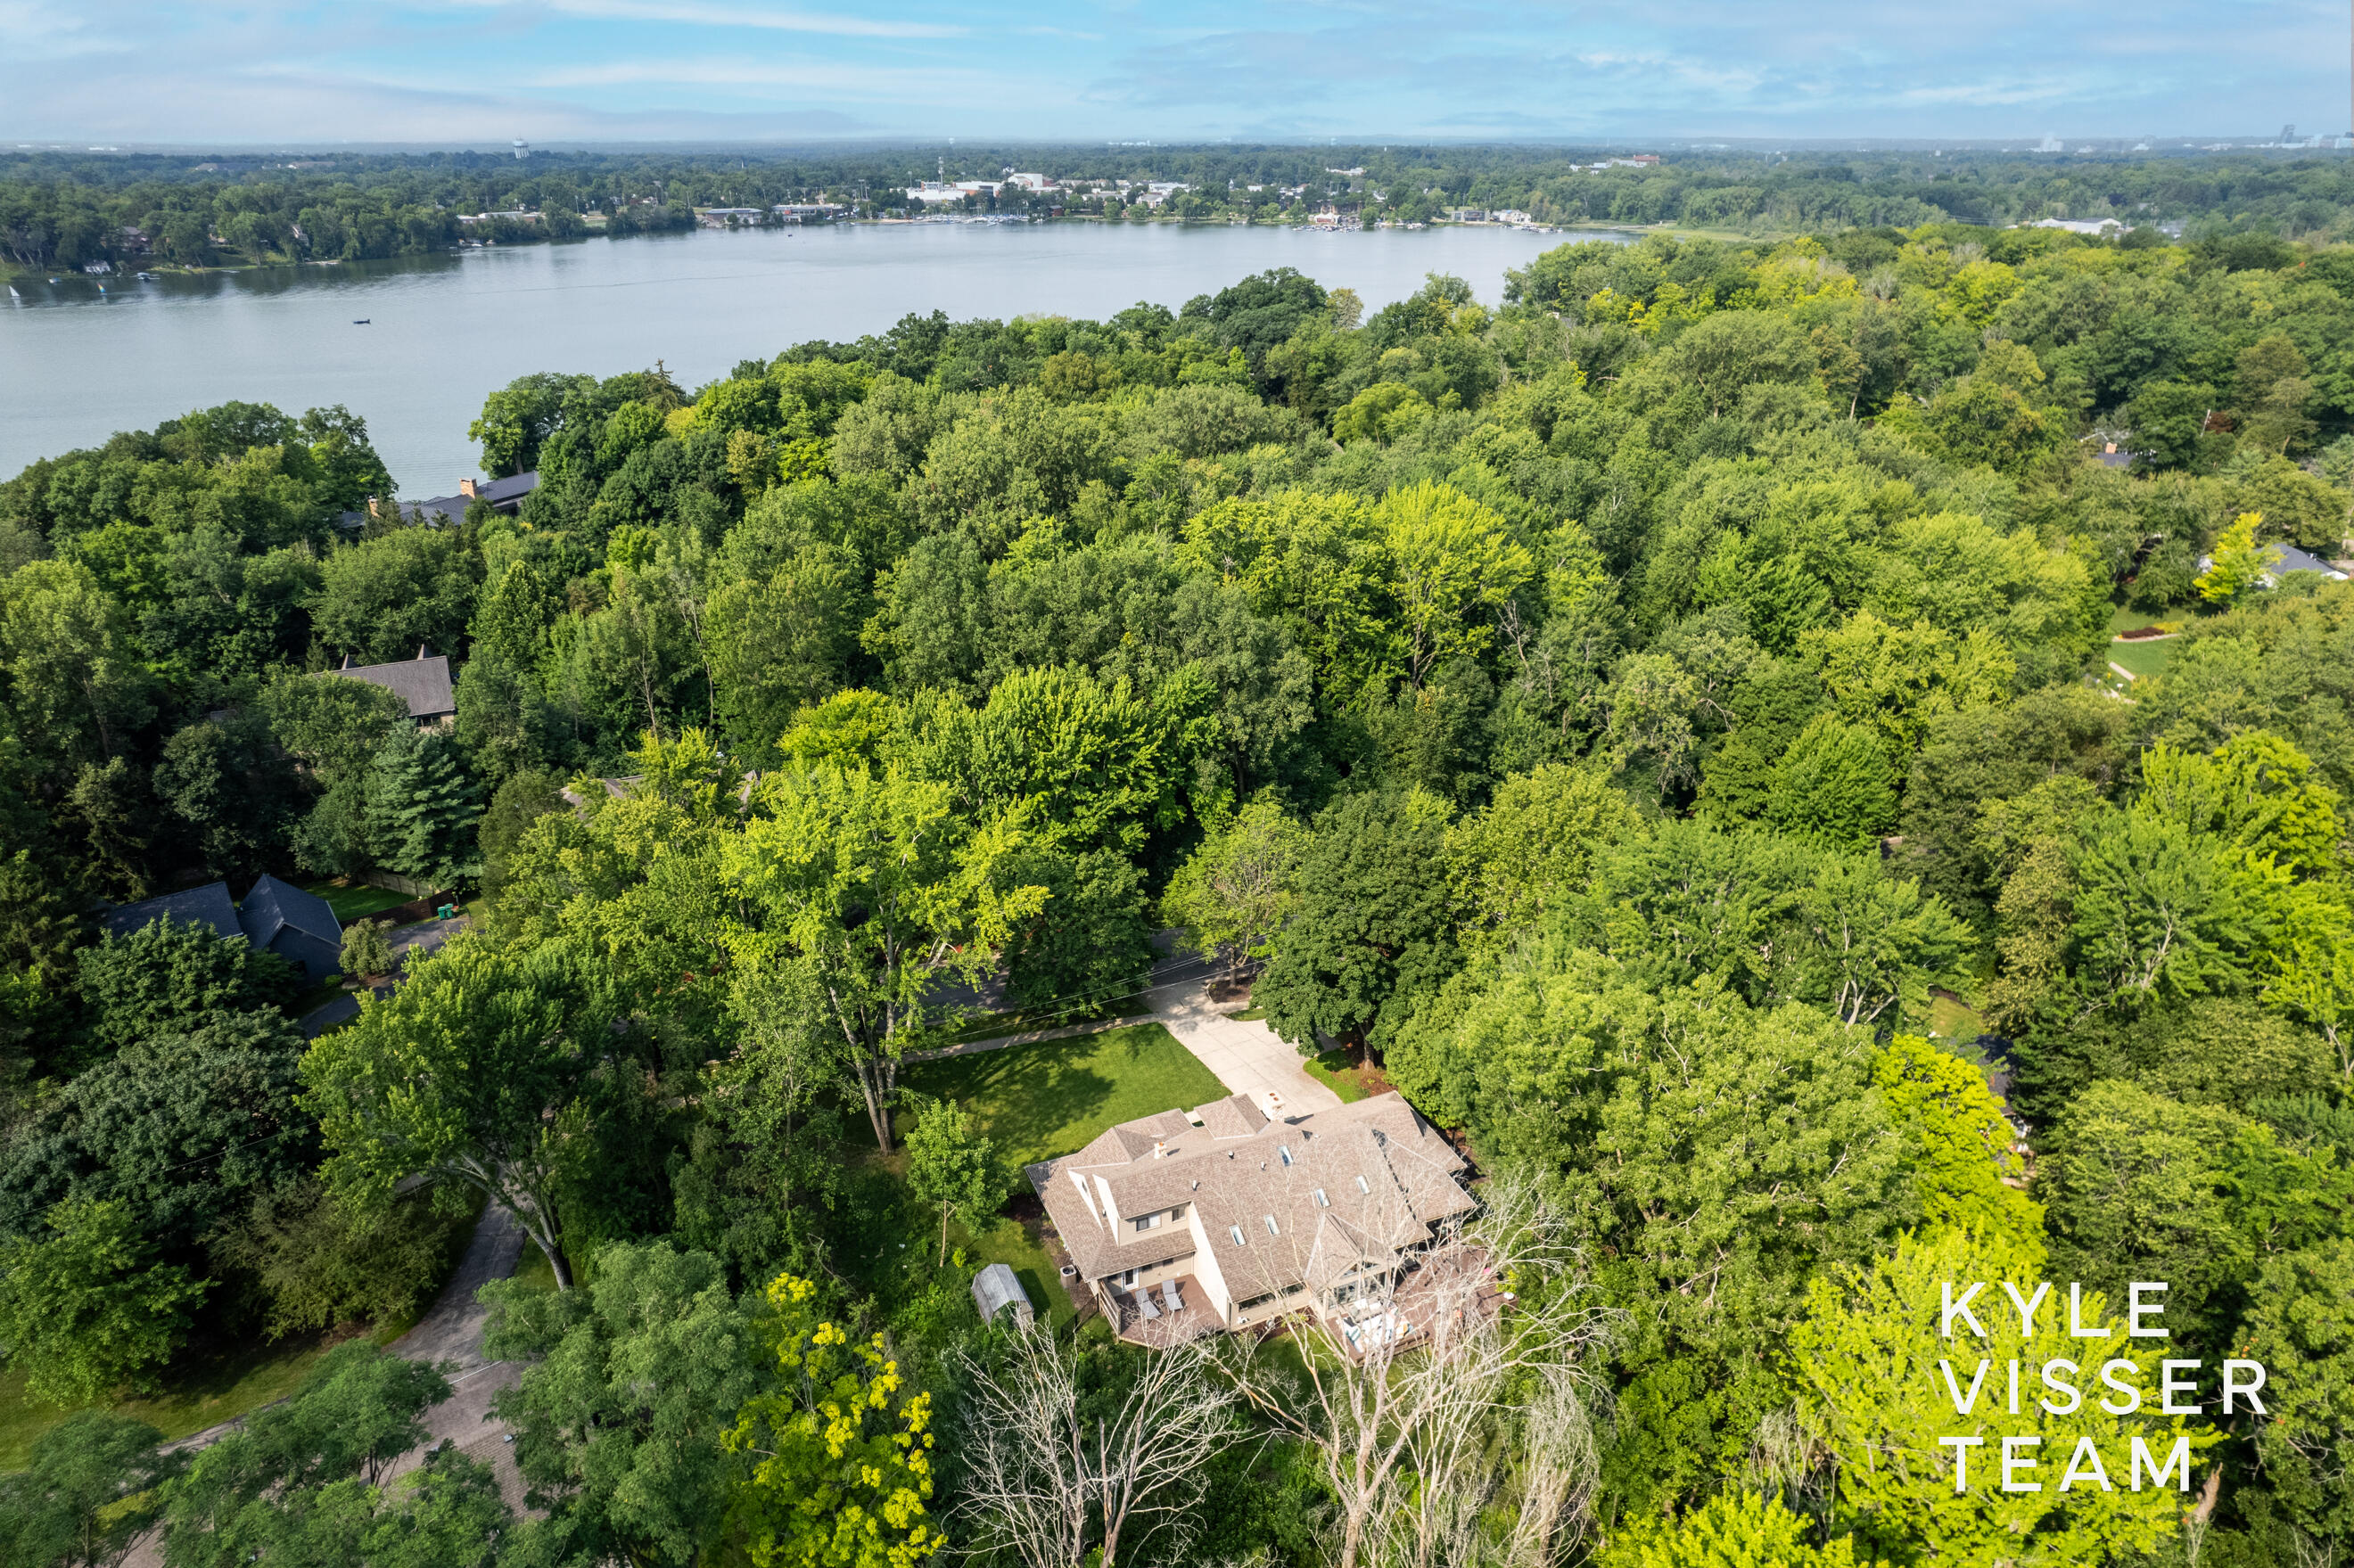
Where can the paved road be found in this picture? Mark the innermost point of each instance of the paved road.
(425, 934)
(1192, 1003)
(451, 1333)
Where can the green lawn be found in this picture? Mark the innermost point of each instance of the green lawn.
(2123, 618)
(1336, 1073)
(1021, 1021)
(203, 1394)
(1050, 1097)
(1951, 1019)
(2144, 658)
(353, 900)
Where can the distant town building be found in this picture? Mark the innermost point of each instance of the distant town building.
(2075, 224)
(728, 217)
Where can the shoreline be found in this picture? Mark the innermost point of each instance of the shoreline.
(22, 277)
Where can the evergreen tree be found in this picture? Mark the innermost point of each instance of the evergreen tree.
(422, 809)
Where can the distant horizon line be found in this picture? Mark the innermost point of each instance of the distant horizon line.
(2075, 142)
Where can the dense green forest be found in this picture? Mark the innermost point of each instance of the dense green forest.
(71, 210)
(1668, 727)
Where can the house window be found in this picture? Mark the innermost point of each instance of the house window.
(1270, 1226)
(1285, 1150)
(1147, 1222)
(1178, 1213)
(1235, 1232)
(1362, 1186)
(1321, 1200)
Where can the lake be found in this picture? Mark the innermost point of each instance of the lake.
(77, 365)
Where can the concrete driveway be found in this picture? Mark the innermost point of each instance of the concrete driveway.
(425, 936)
(1250, 1058)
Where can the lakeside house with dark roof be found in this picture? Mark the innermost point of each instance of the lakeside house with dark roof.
(448, 510)
(206, 905)
(299, 927)
(1222, 1217)
(423, 682)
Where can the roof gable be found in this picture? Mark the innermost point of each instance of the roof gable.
(423, 683)
(205, 905)
(272, 906)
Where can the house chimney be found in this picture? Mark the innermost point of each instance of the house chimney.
(347, 661)
(1159, 1149)
(466, 488)
(421, 650)
(2111, 448)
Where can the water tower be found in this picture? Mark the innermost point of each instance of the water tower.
(523, 148)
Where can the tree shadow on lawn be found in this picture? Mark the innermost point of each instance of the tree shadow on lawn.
(1050, 1099)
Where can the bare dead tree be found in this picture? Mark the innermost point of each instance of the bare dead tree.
(1042, 1478)
(1408, 1392)
(1561, 1464)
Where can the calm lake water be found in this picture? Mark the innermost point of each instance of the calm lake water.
(77, 365)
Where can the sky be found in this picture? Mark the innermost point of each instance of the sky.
(558, 71)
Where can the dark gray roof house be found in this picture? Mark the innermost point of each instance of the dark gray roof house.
(2282, 559)
(448, 510)
(281, 919)
(205, 905)
(423, 682)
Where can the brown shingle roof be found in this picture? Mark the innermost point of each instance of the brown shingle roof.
(1345, 1185)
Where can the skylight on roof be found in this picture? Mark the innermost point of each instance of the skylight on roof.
(1235, 1232)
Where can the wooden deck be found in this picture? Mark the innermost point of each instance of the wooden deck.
(1199, 1318)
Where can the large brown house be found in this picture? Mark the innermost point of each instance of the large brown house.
(1223, 1216)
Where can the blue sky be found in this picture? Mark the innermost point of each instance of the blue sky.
(554, 70)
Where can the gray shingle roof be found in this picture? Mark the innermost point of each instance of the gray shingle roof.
(2283, 558)
(274, 905)
(508, 491)
(205, 905)
(423, 683)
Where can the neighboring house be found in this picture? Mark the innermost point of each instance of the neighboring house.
(2282, 559)
(448, 510)
(1222, 1217)
(2279, 561)
(423, 682)
(205, 905)
(278, 917)
(281, 919)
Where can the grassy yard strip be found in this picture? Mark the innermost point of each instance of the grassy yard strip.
(2144, 658)
(211, 1391)
(1050, 1097)
(354, 901)
(1336, 1073)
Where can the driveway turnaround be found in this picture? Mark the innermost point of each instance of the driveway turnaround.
(1250, 1058)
